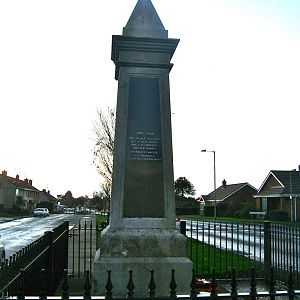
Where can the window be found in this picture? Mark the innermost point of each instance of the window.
(264, 204)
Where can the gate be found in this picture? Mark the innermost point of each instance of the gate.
(82, 247)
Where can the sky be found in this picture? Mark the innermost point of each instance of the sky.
(235, 88)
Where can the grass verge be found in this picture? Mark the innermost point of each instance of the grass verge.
(205, 257)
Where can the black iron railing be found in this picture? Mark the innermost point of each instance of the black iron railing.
(22, 269)
(83, 243)
(285, 249)
(224, 246)
(243, 245)
(220, 251)
(194, 292)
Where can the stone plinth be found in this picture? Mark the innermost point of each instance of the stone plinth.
(141, 250)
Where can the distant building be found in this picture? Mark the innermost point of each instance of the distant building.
(15, 192)
(280, 191)
(47, 200)
(231, 199)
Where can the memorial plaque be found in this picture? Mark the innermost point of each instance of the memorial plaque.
(143, 190)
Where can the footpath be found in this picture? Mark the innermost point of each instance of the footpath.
(7, 219)
(82, 249)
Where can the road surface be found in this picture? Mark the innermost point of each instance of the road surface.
(17, 234)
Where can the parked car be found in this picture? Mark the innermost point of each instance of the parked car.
(41, 212)
(69, 210)
(2, 252)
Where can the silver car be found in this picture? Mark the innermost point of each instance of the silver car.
(2, 252)
(41, 212)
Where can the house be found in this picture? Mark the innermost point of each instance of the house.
(17, 193)
(280, 191)
(232, 199)
(47, 200)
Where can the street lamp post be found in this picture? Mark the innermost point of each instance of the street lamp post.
(215, 194)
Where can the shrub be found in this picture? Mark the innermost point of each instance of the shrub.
(277, 215)
(245, 210)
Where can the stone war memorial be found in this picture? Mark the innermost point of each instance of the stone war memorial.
(142, 232)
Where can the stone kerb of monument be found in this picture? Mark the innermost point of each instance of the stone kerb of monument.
(142, 233)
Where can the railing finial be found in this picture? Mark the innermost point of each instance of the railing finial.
(130, 286)
(291, 291)
(173, 285)
(152, 285)
(87, 286)
(253, 291)
(272, 291)
(65, 286)
(108, 286)
(193, 285)
(213, 293)
(43, 289)
(233, 293)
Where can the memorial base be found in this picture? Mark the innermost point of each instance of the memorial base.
(141, 251)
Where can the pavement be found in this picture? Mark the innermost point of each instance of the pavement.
(243, 286)
(7, 219)
(77, 262)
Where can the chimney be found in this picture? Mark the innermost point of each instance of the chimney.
(48, 192)
(26, 180)
(17, 177)
(4, 173)
(224, 184)
(299, 168)
(30, 181)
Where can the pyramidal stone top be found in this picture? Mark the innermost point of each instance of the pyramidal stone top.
(144, 22)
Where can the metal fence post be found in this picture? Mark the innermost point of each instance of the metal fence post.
(66, 243)
(50, 268)
(267, 250)
(183, 227)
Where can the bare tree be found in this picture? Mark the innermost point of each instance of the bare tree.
(104, 129)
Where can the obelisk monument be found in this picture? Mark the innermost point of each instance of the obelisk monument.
(142, 233)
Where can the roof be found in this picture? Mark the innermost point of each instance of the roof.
(18, 183)
(225, 191)
(48, 195)
(287, 183)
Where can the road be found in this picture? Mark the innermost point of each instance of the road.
(19, 233)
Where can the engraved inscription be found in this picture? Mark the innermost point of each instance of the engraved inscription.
(144, 146)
